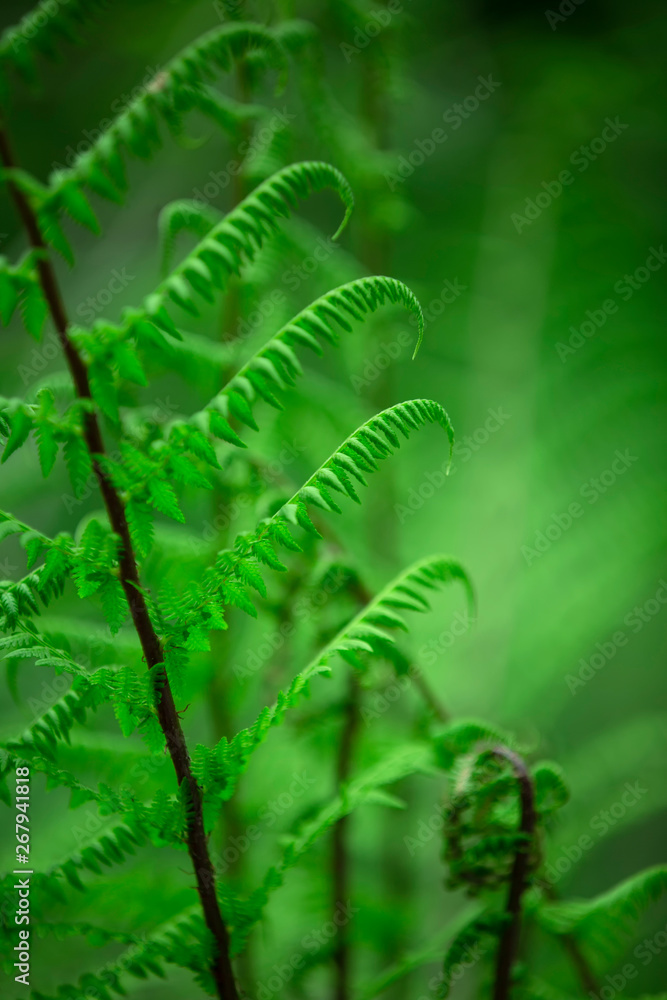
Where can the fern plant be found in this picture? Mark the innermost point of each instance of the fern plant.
(147, 638)
(141, 478)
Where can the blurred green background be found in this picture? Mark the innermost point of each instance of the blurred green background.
(541, 408)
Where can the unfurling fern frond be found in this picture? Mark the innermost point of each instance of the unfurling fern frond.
(603, 922)
(460, 737)
(551, 789)
(364, 788)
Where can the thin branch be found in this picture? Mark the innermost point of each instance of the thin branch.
(129, 578)
(509, 939)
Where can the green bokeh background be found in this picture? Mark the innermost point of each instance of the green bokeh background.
(494, 348)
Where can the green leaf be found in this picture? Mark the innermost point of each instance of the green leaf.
(76, 203)
(33, 309)
(47, 446)
(22, 424)
(103, 389)
(163, 498)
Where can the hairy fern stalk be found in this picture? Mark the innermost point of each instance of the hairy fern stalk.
(145, 471)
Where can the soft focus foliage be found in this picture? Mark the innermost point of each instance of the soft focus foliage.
(188, 163)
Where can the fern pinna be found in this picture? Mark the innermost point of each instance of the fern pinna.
(142, 633)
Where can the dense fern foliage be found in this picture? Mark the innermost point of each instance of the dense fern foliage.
(147, 718)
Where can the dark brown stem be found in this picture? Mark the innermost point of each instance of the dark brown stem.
(509, 939)
(341, 853)
(129, 578)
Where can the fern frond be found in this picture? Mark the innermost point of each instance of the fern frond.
(275, 367)
(177, 89)
(369, 631)
(241, 234)
(41, 30)
(360, 454)
(195, 217)
(100, 851)
(231, 243)
(220, 768)
(52, 726)
(344, 470)
(20, 287)
(94, 935)
(604, 921)
(181, 941)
